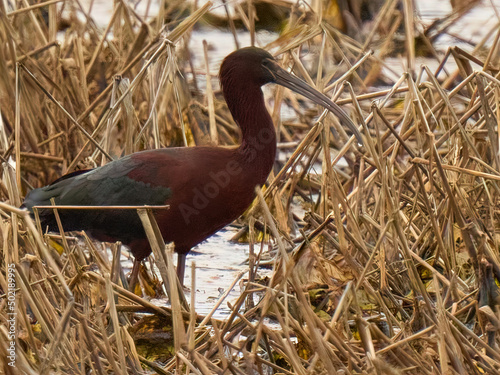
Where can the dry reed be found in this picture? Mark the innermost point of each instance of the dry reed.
(394, 268)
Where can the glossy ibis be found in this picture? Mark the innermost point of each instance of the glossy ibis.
(206, 187)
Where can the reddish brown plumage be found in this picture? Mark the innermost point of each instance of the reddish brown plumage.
(206, 187)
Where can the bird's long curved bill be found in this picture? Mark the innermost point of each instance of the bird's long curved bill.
(283, 78)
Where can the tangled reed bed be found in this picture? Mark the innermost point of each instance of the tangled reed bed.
(394, 267)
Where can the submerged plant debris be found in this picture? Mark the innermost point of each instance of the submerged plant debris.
(385, 255)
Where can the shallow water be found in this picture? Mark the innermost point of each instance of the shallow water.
(218, 263)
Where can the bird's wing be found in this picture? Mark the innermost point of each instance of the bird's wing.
(113, 184)
(107, 185)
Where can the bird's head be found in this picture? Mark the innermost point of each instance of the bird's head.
(251, 67)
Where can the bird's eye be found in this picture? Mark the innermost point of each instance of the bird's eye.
(267, 62)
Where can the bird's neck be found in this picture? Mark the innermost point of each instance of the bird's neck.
(258, 142)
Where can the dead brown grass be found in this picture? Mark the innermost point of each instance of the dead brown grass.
(393, 270)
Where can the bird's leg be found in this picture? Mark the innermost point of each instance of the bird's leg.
(134, 275)
(181, 266)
